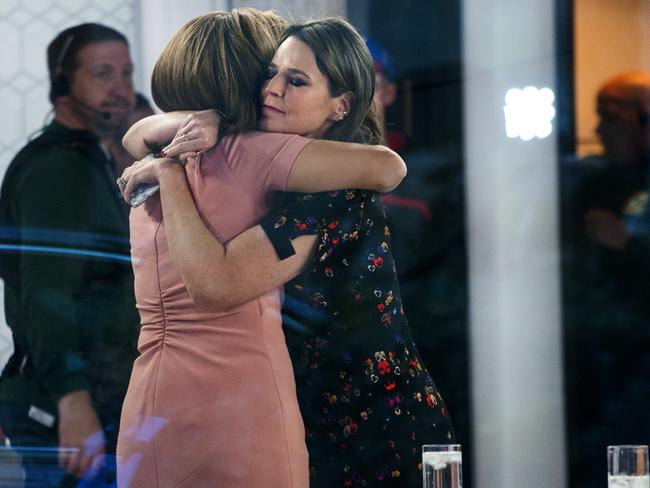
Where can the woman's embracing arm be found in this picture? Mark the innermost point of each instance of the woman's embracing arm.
(221, 276)
(325, 165)
(322, 165)
(173, 133)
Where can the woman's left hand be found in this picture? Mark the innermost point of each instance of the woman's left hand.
(145, 171)
(197, 133)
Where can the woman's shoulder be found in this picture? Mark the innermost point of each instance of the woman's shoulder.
(257, 137)
(250, 143)
(261, 145)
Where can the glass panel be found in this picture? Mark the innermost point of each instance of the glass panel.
(604, 178)
(521, 234)
(67, 288)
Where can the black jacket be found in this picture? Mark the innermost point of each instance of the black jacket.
(64, 257)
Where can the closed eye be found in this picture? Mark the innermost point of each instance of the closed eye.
(295, 81)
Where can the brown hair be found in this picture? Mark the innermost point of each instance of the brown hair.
(62, 52)
(631, 88)
(218, 60)
(343, 58)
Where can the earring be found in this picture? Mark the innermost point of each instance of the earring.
(342, 116)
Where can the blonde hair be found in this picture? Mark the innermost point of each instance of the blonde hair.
(218, 60)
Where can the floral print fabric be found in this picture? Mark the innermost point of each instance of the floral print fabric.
(367, 400)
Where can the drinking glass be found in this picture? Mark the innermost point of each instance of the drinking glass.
(442, 466)
(627, 467)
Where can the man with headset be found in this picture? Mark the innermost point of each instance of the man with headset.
(68, 281)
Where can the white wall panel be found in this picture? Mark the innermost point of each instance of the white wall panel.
(27, 28)
(157, 21)
(297, 8)
(517, 393)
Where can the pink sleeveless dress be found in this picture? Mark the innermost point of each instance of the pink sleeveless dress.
(212, 400)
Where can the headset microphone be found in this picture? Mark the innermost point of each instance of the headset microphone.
(103, 114)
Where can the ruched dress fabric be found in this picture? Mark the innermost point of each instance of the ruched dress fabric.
(212, 399)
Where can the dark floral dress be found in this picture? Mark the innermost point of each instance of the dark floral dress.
(367, 401)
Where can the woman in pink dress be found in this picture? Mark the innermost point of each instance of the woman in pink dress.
(212, 399)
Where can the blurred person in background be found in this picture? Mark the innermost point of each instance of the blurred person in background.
(68, 281)
(386, 91)
(141, 110)
(607, 275)
(113, 142)
(617, 189)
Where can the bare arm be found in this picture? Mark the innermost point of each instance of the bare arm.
(322, 165)
(197, 130)
(155, 130)
(331, 165)
(248, 264)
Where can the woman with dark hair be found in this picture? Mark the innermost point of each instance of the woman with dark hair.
(366, 399)
(212, 400)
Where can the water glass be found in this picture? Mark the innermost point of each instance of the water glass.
(627, 467)
(442, 466)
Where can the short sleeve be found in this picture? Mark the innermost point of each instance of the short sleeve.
(327, 214)
(263, 159)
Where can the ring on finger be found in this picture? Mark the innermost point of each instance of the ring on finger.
(187, 139)
(121, 182)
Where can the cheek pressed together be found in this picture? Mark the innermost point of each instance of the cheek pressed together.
(295, 96)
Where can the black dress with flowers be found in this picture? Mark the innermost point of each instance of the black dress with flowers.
(367, 401)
